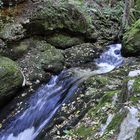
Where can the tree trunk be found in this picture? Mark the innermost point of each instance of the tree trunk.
(126, 15)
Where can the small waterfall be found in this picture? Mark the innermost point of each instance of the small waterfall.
(45, 102)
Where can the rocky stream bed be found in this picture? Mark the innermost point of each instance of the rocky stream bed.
(41, 38)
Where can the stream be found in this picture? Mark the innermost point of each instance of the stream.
(48, 99)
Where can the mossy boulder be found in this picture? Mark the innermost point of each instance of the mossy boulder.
(15, 50)
(131, 40)
(64, 41)
(62, 16)
(41, 58)
(20, 48)
(10, 79)
(81, 54)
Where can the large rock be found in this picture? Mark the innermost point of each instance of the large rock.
(81, 54)
(18, 49)
(10, 79)
(131, 40)
(64, 41)
(41, 58)
(14, 50)
(61, 16)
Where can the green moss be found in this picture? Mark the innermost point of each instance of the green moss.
(102, 80)
(80, 132)
(135, 96)
(135, 99)
(137, 137)
(131, 38)
(116, 121)
(47, 53)
(136, 85)
(43, 55)
(108, 97)
(20, 49)
(64, 41)
(134, 29)
(101, 111)
(11, 31)
(64, 15)
(105, 101)
(99, 115)
(113, 127)
(84, 131)
(138, 4)
(99, 81)
(10, 75)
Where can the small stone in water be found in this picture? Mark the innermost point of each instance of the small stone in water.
(24, 94)
(37, 82)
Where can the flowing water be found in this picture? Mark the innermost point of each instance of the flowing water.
(45, 102)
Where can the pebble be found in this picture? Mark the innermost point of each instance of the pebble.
(24, 94)
(37, 82)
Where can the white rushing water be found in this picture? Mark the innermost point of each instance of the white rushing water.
(108, 61)
(43, 105)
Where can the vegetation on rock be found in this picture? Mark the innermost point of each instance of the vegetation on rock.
(11, 79)
(48, 36)
(131, 40)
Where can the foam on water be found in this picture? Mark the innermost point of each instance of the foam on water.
(45, 102)
(108, 60)
(28, 133)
